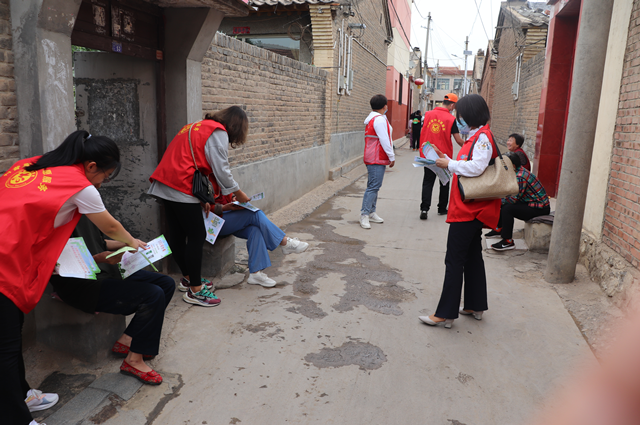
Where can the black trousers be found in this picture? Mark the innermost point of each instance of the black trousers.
(145, 294)
(463, 260)
(415, 139)
(14, 387)
(520, 211)
(427, 189)
(186, 237)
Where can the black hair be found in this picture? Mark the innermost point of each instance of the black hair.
(518, 138)
(418, 112)
(79, 147)
(515, 159)
(473, 110)
(378, 102)
(447, 102)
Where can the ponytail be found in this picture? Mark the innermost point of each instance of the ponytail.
(79, 147)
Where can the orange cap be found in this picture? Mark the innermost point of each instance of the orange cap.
(451, 97)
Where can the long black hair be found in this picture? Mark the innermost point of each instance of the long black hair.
(474, 110)
(79, 147)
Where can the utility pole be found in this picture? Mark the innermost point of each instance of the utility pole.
(423, 96)
(466, 53)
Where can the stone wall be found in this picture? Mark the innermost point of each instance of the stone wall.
(284, 99)
(9, 149)
(621, 230)
(509, 115)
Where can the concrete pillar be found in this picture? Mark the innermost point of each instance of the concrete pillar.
(41, 31)
(188, 35)
(588, 69)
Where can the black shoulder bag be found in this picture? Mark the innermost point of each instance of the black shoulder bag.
(201, 187)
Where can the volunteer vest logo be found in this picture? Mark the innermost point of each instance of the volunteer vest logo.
(18, 177)
(436, 126)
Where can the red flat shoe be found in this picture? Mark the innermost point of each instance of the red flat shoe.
(122, 350)
(151, 378)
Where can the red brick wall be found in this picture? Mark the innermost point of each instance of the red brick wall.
(9, 149)
(487, 89)
(622, 213)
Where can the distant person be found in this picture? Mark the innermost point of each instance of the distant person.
(378, 153)
(514, 144)
(439, 126)
(463, 259)
(530, 202)
(416, 127)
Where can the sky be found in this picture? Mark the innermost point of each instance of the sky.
(451, 22)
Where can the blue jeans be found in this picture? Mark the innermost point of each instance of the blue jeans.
(376, 174)
(261, 235)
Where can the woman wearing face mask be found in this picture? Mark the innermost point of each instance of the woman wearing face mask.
(41, 201)
(463, 259)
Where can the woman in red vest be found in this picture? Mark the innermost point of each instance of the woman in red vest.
(172, 182)
(463, 259)
(42, 199)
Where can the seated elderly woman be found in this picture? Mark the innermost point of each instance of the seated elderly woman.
(530, 202)
(144, 294)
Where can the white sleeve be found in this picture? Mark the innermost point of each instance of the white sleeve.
(480, 158)
(88, 201)
(381, 126)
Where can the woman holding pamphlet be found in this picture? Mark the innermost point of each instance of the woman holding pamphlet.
(204, 146)
(41, 201)
(463, 259)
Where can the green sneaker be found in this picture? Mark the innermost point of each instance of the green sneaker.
(203, 297)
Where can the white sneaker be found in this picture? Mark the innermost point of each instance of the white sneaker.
(33, 422)
(375, 218)
(364, 222)
(37, 400)
(294, 246)
(259, 278)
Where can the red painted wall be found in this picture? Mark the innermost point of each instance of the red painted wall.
(556, 91)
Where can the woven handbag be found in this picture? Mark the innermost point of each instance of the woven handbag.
(497, 181)
(201, 187)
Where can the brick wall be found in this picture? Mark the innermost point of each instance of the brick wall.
(622, 212)
(507, 114)
(9, 149)
(487, 90)
(284, 99)
(369, 65)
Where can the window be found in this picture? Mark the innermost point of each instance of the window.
(457, 84)
(281, 45)
(442, 84)
(400, 91)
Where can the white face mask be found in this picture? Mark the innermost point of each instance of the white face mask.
(462, 126)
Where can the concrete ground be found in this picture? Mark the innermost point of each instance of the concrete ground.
(338, 340)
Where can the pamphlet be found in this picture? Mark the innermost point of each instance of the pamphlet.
(133, 261)
(247, 205)
(213, 224)
(76, 261)
(429, 161)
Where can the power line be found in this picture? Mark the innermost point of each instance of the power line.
(418, 10)
(474, 20)
(478, 8)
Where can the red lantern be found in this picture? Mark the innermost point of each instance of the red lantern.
(419, 82)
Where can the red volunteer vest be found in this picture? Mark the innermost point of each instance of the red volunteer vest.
(488, 212)
(373, 151)
(437, 130)
(176, 166)
(30, 245)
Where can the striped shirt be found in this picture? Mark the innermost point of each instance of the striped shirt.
(531, 191)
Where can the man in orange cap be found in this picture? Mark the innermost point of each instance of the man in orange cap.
(439, 126)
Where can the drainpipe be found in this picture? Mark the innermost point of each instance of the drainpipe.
(588, 70)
